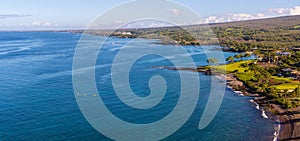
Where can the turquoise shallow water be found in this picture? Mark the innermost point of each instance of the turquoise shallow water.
(37, 101)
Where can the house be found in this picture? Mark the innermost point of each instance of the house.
(126, 33)
(296, 48)
(286, 72)
(295, 74)
(279, 53)
(253, 49)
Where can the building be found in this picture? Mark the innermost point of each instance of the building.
(279, 53)
(296, 48)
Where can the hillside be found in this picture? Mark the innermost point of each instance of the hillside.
(269, 23)
(271, 33)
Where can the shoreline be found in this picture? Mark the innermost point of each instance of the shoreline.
(285, 120)
(235, 85)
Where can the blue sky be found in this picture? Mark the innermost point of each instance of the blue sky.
(68, 14)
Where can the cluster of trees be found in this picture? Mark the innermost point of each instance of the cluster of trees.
(231, 59)
(292, 61)
(245, 39)
(262, 82)
(237, 38)
(241, 37)
(288, 99)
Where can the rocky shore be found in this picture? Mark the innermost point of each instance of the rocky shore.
(287, 121)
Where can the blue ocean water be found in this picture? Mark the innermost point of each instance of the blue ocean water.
(37, 100)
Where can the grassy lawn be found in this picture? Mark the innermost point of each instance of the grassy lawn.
(245, 76)
(229, 68)
(282, 79)
(286, 83)
(236, 66)
(288, 86)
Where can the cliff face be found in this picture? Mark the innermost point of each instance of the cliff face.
(289, 121)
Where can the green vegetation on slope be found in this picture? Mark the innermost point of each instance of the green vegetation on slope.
(280, 90)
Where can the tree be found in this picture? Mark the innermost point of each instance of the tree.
(230, 59)
(271, 92)
(238, 56)
(212, 61)
(254, 68)
(285, 95)
(247, 55)
(296, 92)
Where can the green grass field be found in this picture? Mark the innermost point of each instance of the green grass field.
(286, 83)
(288, 86)
(229, 68)
(282, 79)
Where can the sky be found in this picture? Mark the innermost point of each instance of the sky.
(76, 14)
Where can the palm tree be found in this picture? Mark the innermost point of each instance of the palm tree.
(230, 59)
(285, 95)
(247, 55)
(256, 54)
(296, 92)
(211, 61)
(238, 56)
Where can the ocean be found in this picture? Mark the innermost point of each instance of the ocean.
(37, 100)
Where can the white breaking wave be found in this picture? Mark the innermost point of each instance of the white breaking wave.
(263, 114)
(256, 105)
(239, 93)
(18, 47)
(276, 133)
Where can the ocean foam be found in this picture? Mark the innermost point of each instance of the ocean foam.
(263, 114)
(256, 105)
(276, 133)
(239, 93)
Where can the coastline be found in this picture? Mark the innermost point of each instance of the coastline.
(238, 87)
(286, 121)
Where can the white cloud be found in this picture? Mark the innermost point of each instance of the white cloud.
(147, 23)
(37, 23)
(3, 16)
(295, 10)
(243, 16)
(279, 11)
(175, 11)
(233, 17)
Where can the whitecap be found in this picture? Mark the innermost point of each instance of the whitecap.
(276, 133)
(256, 105)
(15, 50)
(239, 93)
(16, 46)
(263, 114)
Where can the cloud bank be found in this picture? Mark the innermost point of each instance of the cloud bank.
(244, 16)
(4, 16)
